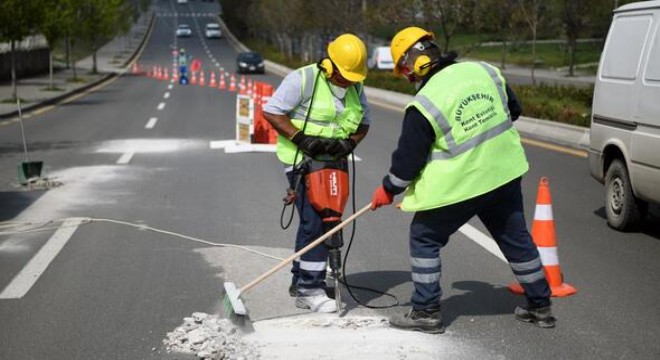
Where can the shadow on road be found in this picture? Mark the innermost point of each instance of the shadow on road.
(479, 299)
(13, 203)
(380, 281)
(649, 226)
(16, 149)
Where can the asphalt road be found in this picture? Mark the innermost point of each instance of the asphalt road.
(114, 291)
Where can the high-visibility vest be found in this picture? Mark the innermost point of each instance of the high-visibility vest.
(323, 118)
(476, 148)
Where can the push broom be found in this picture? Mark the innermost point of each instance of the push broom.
(232, 301)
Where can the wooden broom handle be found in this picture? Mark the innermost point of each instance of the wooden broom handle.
(307, 248)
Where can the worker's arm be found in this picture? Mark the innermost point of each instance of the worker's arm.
(286, 98)
(514, 106)
(282, 124)
(360, 133)
(410, 157)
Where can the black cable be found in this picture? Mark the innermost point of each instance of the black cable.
(297, 171)
(344, 281)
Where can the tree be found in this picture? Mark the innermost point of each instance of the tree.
(18, 19)
(54, 22)
(531, 11)
(99, 19)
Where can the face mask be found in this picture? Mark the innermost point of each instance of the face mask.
(338, 91)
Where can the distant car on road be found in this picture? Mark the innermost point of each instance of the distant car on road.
(381, 59)
(250, 62)
(183, 30)
(212, 31)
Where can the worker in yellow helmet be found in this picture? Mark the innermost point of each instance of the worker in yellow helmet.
(458, 156)
(319, 110)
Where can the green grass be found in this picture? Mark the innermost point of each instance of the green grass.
(548, 55)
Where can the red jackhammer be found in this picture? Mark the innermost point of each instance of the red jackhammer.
(327, 186)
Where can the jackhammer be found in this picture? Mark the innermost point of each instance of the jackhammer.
(327, 183)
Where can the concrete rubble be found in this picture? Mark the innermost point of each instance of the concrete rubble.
(209, 337)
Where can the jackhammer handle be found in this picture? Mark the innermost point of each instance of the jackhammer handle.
(307, 248)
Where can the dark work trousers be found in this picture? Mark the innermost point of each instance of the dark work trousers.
(308, 273)
(501, 211)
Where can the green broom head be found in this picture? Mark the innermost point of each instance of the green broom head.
(232, 303)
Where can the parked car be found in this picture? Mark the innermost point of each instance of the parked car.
(212, 31)
(625, 122)
(183, 30)
(381, 59)
(250, 62)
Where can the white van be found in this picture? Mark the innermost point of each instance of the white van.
(624, 150)
(381, 59)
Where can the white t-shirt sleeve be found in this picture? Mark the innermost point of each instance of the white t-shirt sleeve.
(287, 96)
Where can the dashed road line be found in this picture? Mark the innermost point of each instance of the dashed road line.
(151, 123)
(125, 158)
(28, 276)
(166, 95)
(161, 106)
(483, 240)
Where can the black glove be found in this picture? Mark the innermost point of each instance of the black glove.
(310, 145)
(341, 147)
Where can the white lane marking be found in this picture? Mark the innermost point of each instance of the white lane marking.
(161, 106)
(482, 239)
(31, 272)
(166, 95)
(170, 86)
(151, 123)
(125, 158)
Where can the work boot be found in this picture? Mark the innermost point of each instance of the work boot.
(425, 320)
(329, 291)
(539, 316)
(317, 303)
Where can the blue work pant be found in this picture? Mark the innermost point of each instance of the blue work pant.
(308, 273)
(501, 211)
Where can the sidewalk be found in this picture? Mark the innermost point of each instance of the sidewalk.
(113, 58)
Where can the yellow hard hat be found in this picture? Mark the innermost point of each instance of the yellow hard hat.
(349, 54)
(403, 40)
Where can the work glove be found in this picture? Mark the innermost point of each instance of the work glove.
(381, 197)
(341, 147)
(310, 145)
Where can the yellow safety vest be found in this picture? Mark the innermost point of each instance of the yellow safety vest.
(323, 118)
(476, 147)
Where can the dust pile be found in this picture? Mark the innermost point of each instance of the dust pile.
(209, 337)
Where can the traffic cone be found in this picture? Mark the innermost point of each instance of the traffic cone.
(232, 83)
(202, 78)
(212, 82)
(175, 74)
(543, 234)
(166, 76)
(193, 79)
(222, 81)
(249, 88)
(134, 68)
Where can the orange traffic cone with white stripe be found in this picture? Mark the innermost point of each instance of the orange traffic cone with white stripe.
(213, 82)
(543, 234)
(202, 78)
(232, 83)
(193, 80)
(223, 85)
